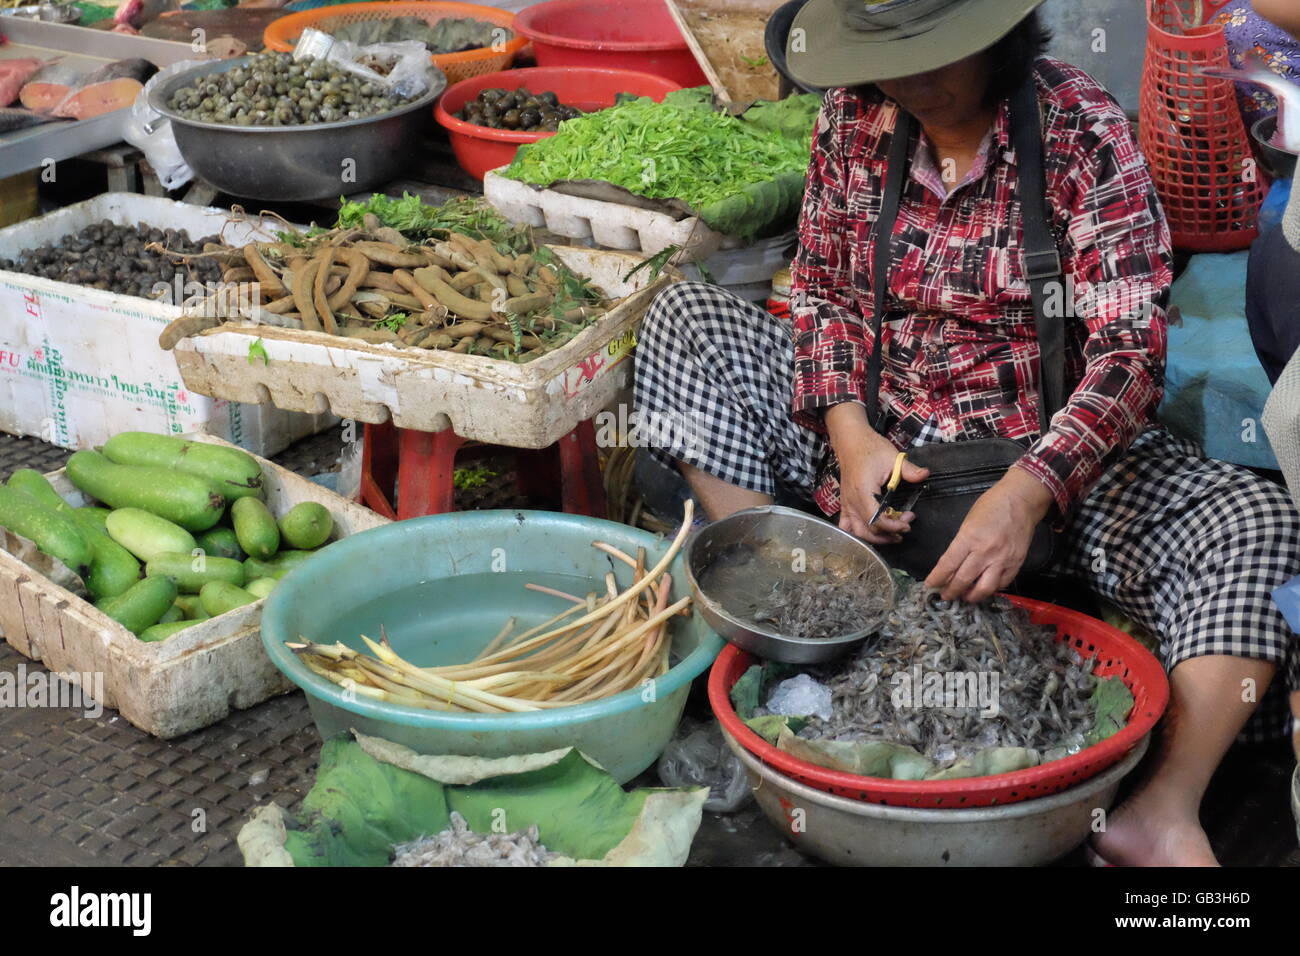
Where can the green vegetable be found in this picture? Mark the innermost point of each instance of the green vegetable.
(469, 215)
(113, 568)
(187, 500)
(741, 175)
(96, 514)
(191, 606)
(171, 615)
(221, 543)
(262, 587)
(191, 572)
(307, 525)
(50, 531)
(141, 605)
(233, 472)
(31, 482)
(218, 597)
(277, 567)
(146, 535)
(255, 527)
(163, 630)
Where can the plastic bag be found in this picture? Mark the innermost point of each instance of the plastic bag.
(697, 756)
(403, 68)
(150, 132)
(349, 480)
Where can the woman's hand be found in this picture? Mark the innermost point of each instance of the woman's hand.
(993, 541)
(866, 465)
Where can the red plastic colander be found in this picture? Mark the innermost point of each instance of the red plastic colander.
(1192, 133)
(1117, 655)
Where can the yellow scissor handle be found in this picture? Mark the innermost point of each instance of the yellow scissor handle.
(897, 475)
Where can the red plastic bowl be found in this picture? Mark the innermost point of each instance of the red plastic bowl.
(1117, 653)
(480, 148)
(627, 34)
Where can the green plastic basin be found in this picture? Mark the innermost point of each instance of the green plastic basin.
(442, 587)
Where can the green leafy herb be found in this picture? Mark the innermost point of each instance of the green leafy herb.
(465, 478)
(257, 350)
(755, 62)
(654, 263)
(394, 322)
(415, 219)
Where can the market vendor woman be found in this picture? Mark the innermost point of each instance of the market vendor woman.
(1190, 548)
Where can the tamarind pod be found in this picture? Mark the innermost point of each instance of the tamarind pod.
(387, 254)
(380, 280)
(184, 327)
(280, 306)
(435, 316)
(549, 276)
(358, 268)
(303, 280)
(262, 269)
(463, 345)
(500, 264)
(374, 336)
(505, 335)
(493, 279)
(482, 344)
(320, 298)
(464, 330)
(464, 281)
(390, 235)
(517, 286)
(522, 264)
(437, 340)
(238, 274)
(523, 304)
(407, 282)
(438, 272)
(456, 256)
(403, 301)
(486, 292)
(433, 258)
(461, 305)
(583, 313)
(374, 309)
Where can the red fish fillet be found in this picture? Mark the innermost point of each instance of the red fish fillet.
(108, 88)
(48, 87)
(13, 74)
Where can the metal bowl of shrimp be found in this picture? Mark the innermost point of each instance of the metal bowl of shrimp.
(787, 586)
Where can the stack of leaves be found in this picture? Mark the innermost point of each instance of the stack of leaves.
(600, 646)
(743, 176)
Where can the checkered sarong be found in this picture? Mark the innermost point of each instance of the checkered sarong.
(1189, 547)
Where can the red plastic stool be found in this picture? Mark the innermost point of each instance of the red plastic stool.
(421, 464)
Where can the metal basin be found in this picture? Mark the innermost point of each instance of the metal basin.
(294, 163)
(762, 545)
(854, 833)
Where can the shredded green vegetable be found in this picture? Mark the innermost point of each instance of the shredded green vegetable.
(682, 149)
(415, 219)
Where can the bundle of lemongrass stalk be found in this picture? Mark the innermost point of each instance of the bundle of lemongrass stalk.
(599, 646)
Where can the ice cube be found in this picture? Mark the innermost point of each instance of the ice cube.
(801, 697)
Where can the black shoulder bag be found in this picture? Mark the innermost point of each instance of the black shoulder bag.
(961, 471)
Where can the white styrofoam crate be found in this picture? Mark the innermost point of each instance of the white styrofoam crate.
(483, 399)
(78, 365)
(171, 687)
(608, 224)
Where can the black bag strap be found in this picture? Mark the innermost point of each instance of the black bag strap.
(1043, 270)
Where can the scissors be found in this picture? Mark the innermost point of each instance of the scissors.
(892, 497)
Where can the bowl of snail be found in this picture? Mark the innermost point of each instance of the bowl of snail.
(268, 126)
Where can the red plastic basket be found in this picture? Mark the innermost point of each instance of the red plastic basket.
(1116, 653)
(1192, 134)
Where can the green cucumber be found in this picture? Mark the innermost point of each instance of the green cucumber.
(221, 543)
(31, 482)
(112, 568)
(97, 514)
(142, 604)
(182, 498)
(307, 525)
(189, 603)
(50, 531)
(145, 534)
(277, 567)
(261, 587)
(233, 472)
(192, 571)
(163, 630)
(218, 597)
(255, 528)
(171, 615)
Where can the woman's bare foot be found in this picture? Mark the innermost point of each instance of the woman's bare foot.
(1151, 830)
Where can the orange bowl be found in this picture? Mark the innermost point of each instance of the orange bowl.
(481, 148)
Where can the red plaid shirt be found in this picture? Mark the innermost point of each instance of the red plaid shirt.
(960, 345)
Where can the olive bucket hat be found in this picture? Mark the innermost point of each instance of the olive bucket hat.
(849, 42)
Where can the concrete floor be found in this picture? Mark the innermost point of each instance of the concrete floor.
(77, 791)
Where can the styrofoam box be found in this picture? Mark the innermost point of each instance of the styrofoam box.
(79, 365)
(608, 224)
(529, 405)
(192, 679)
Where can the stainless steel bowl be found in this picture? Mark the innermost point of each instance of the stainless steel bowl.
(856, 833)
(292, 163)
(1280, 164)
(762, 545)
